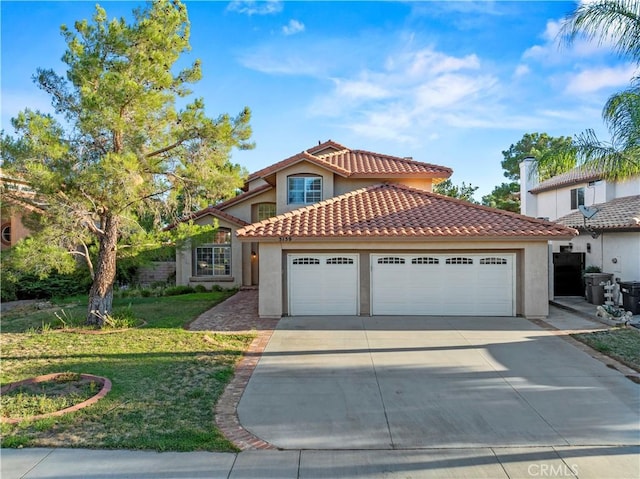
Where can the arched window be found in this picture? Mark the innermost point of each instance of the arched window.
(5, 234)
(214, 259)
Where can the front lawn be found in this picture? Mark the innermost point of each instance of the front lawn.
(622, 344)
(166, 380)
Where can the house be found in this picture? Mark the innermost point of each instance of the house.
(336, 231)
(606, 214)
(17, 203)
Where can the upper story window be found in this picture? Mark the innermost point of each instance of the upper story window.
(304, 189)
(577, 198)
(265, 210)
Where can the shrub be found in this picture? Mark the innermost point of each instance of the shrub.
(176, 290)
(54, 285)
(200, 288)
(8, 289)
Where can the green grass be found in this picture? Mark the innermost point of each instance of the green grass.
(166, 380)
(622, 344)
(47, 397)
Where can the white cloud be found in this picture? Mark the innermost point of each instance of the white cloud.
(280, 62)
(427, 61)
(521, 71)
(554, 50)
(293, 27)
(594, 79)
(411, 97)
(254, 7)
(360, 89)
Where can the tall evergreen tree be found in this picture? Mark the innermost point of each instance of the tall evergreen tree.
(122, 149)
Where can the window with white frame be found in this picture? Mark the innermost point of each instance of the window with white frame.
(214, 259)
(304, 189)
(577, 198)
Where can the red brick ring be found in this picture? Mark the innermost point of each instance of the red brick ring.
(106, 387)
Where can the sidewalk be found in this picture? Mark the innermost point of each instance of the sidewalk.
(611, 462)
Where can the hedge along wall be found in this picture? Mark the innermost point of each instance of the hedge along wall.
(157, 271)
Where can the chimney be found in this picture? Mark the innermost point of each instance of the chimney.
(528, 180)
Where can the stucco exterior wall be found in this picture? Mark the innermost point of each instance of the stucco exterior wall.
(532, 269)
(255, 183)
(243, 210)
(629, 187)
(271, 273)
(13, 218)
(345, 185)
(615, 252)
(553, 204)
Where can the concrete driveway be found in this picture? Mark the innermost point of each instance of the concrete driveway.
(433, 382)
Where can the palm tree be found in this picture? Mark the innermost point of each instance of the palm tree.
(616, 22)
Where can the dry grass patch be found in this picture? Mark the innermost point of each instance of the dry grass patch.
(165, 380)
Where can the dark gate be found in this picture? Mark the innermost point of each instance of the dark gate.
(567, 274)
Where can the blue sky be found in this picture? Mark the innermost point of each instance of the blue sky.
(450, 83)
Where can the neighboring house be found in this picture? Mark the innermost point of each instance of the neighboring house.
(14, 210)
(335, 231)
(609, 224)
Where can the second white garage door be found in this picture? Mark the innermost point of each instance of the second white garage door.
(323, 284)
(437, 284)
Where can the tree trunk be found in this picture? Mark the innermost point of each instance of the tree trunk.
(101, 292)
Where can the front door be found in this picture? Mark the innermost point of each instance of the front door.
(567, 274)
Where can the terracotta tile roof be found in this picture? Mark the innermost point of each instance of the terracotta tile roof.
(399, 212)
(292, 160)
(210, 210)
(571, 177)
(366, 163)
(327, 144)
(243, 196)
(620, 213)
(359, 163)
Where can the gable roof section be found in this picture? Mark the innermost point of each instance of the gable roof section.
(358, 164)
(209, 211)
(618, 214)
(327, 145)
(243, 196)
(292, 160)
(571, 177)
(392, 211)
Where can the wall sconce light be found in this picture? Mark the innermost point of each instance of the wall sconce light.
(614, 260)
(253, 254)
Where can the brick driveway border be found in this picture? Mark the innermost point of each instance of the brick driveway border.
(238, 314)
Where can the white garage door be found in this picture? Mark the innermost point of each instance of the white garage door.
(323, 284)
(456, 284)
